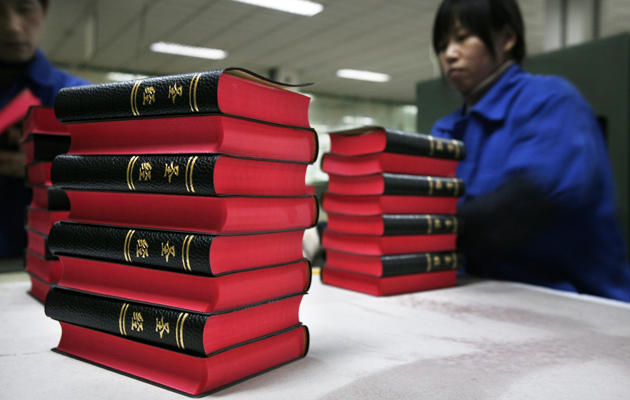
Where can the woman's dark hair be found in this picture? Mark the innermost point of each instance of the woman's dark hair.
(482, 18)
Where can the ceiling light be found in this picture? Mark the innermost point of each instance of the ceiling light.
(123, 76)
(362, 75)
(301, 7)
(190, 51)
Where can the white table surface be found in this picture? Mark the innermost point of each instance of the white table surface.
(480, 340)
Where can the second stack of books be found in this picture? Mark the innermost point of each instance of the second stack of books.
(182, 261)
(391, 203)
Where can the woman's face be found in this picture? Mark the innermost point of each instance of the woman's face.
(466, 60)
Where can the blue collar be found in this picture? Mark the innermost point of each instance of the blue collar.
(40, 70)
(493, 106)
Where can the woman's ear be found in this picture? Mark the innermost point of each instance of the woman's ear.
(507, 39)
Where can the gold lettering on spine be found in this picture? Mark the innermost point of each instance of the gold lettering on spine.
(134, 92)
(455, 261)
(431, 145)
(456, 187)
(192, 93)
(430, 185)
(127, 248)
(429, 265)
(430, 225)
(189, 174)
(186, 252)
(179, 330)
(454, 224)
(130, 167)
(121, 319)
(456, 148)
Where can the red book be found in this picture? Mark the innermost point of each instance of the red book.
(202, 175)
(385, 245)
(194, 213)
(374, 205)
(189, 292)
(388, 286)
(38, 174)
(387, 162)
(46, 270)
(204, 134)
(181, 372)
(38, 243)
(50, 198)
(15, 111)
(39, 289)
(394, 224)
(394, 265)
(41, 220)
(395, 184)
(42, 120)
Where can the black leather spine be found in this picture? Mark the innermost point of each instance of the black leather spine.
(46, 147)
(176, 174)
(167, 250)
(403, 264)
(421, 185)
(165, 95)
(159, 326)
(57, 199)
(423, 145)
(420, 224)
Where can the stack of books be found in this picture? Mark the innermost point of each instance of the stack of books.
(391, 203)
(182, 254)
(43, 139)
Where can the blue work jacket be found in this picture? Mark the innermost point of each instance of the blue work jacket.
(540, 127)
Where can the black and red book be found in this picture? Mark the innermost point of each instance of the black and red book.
(17, 109)
(38, 243)
(39, 288)
(184, 373)
(388, 204)
(214, 215)
(230, 91)
(394, 224)
(202, 175)
(182, 290)
(38, 174)
(395, 184)
(386, 245)
(388, 286)
(376, 139)
(41, 220)
(181, 330)
(50, 198)
(185, 252)
(48, 270)
(387, 162)
(41, 120)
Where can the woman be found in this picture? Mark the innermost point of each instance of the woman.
(540, 204)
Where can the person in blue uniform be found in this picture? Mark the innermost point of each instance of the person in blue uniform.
(540, 202)
(22, 65)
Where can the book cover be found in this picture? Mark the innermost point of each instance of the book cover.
(42, 120)
(16, 109)
(394, 265)
(185, 291)
(231, 91)
(190, 375)
(201, 175)
(388, 286)
(180, 330)
(387, 162)
(204, 134)
(388, 204)
(39, 288)
(214, 215)
(48, 270)
(38, 174)
(376, 139)
(49, 198)
(394, 224)
(386, 245)
(395, 184)
(42, 220)
(185, 252)
(38, 243)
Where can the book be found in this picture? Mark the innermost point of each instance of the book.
(193, 213)
(394, 224)
(394, 265)
(42, 120)
(204, 134)
(386, 245)
(16, 109)
(38, 243)
(388, 204)
(376, 139)
(190, 332)
(39, 288)
(231, 91)
(390, 285)
(42, 220)
(202, 175)
(185, 291)
(395, 184)
(187, 374)
(38, 174)
(387, 162)
(185, 252)
(40, 147)
(46, 269)
(49, 198)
